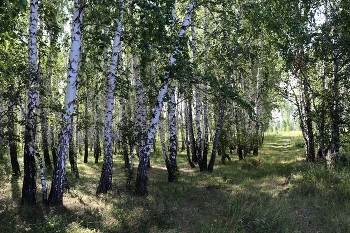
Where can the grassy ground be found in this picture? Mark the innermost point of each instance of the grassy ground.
(274, 192)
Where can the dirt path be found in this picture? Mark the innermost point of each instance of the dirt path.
(287, 143)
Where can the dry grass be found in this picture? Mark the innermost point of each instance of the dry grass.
(274, 192)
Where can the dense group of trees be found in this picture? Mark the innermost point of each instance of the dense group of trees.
(199, 76)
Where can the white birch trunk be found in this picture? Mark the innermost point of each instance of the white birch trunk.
(106, 174)
(141, 112)
(141, 179)
(187, 124)
(162, 141)
(217, 134)
(198, 107)
(259, 83)
(336, 106)
(42, 177)
(59, 174)
(205, 95)
(29, 179)
(172, 170)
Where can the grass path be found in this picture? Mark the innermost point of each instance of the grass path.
(276, 191)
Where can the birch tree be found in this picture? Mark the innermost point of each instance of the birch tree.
(205, 94)
(59, 174)
(29, 179)
(217, 133)
(256, 137)
(141, 179)
(172, 168)
(105, 183)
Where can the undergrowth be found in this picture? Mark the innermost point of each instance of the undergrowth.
(276, 191)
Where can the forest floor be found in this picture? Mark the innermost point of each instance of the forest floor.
(276, 191)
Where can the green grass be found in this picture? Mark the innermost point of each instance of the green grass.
(274, 192)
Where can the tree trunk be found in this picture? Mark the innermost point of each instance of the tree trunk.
(141, 112)
(11, 138)
(217, 134)
(183, 138)
(72, 153)
(173, 170)
(59, 175)
(188, 151)
(97, 145)
(44, 136)
(191, 133)
(86, 129)
(29, 179)
(42, 177)
(305, 116)
(256, 137)
(141, 179)
(105, 183)
(1, 123)
(162, 142)
(205, 97)
(336, 107)
(198, 145)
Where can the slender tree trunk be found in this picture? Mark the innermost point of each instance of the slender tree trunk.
(59, 175)
(217, 134)
(198, 145)
(188, 151)
(256, 137)
(141, 179)
(86, 129)
(141, 112)
(205, 97)
(183, 139)
(191, 133)
(173, 170)
(125, 130)
(105, 183)
(42, 177)
(97, 145)
(53, 145)
(2, 130)
(304, 110)
(238, 131)
(336, 107)
(29, 179)
(72, 154)
(162, 141)
(322, 122)
(12, 142)
(44, 136)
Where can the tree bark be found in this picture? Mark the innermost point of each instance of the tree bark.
(188, 151)
(256, 137)
(205, 96)
(29, 179)
(198, 145)
(141, 179)
(42, 177)
(44, 136)
(336, 106)
(173, 170)
(105, 183)
(11, 138)
(191, 133)
(72, 153)
(86, 129)
(217, 134)
(162, 142)
(59, 175)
